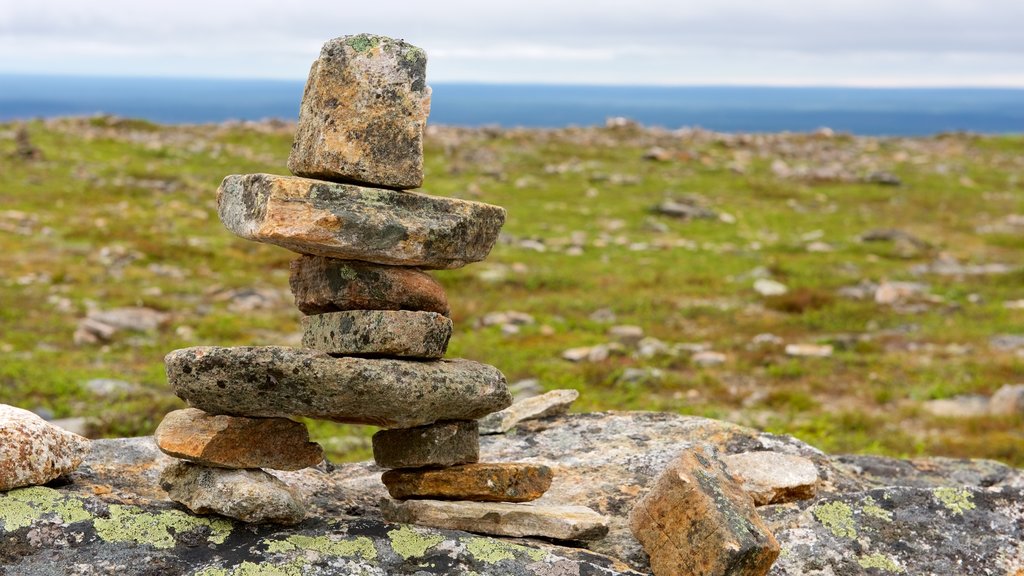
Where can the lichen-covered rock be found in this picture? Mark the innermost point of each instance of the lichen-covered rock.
(322, 285)
(552, 403)
(774, 478)
(499, 518)
(439, 444)
(387, 333)
(33, 451)
(350, 222)
(481, 482)
(363, 112)
(696, 520)
(275, 381)
(252, 496)
(236, 441)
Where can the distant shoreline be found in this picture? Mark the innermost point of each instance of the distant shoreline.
(859, 111)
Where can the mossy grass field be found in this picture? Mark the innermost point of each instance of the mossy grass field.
(906, 256)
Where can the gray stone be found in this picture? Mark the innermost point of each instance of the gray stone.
(438, 444)
(552, 403)
(353, 223)
(277, 381)
(1007, 401)
(964, 406)
(33, 451)
(322, 285)
(393, 333)
(774, 478)
(499, 518)
(252, 496)
(363, 112)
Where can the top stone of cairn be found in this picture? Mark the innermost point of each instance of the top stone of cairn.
(363, 112)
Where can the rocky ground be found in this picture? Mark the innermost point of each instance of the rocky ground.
(863, 294)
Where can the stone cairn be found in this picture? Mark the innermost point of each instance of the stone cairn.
(376, 326)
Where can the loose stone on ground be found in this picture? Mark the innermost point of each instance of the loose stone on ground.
(33, 451)
(773, 477)
(502, 482)
(390, 333)
(552, 403)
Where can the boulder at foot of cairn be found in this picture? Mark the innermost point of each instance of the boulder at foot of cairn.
(439, 444)
(33, 451)
(500, 518)
(269, 381)
(485, 482)
(363, 112)
(350, 222)
(236, 441)
(386, 333)
(322, 285)
(697, 520)
(252, 496)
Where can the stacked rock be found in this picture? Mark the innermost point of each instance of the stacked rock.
(376, 325)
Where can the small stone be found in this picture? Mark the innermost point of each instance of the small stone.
(439, 444)
(809, 350)
(626, 334)
(271, 381)
(697, 520)
(392, 333)
(708, 358)
(237, 442)
(964, 406)
(577, 354)
(773, 477)
(363, 112)
(504, 482)
(500, 518)
(353, 223)
(553, 403)
(322, 285)
(1007, 401)
(252, 496)
(766, 287)
(33, 451)
(76, 425)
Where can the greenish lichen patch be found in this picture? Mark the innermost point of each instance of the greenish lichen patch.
(20, 508)
(363, 42)
(292, 568)
(871, 508)
(131, 524)
(492, 551)
(880, 561)
(837, 517)
(347, 548)
(408, 543)
(956, 500)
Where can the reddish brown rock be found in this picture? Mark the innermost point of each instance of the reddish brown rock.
(33, 451)
(350, 222)
(697, 521)
(322, 285)
(500, 482)
(236, 441)
(439, 444)
(386, 333)
(363, 112)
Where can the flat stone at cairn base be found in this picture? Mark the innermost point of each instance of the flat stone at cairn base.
(278, 381)
(697, 520)
(322, 285)
(363, 112)
(390, 333)
(249, 495)
(438, 444)
(500, 482)
(353, 223)
(499, 518)
(237, 442)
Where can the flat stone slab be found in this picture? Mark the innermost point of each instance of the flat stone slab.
(483, 482)
(252, 496)
(772, 477)
(322, 285)
(33, 451)
(391, 333)
(697, 520)
(438, 444)
(363, 112)
(553, 403)
(237, 441)
(350, 222)
(499, 518)
(275, 381)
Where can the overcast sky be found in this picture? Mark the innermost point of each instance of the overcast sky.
(678, 42)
